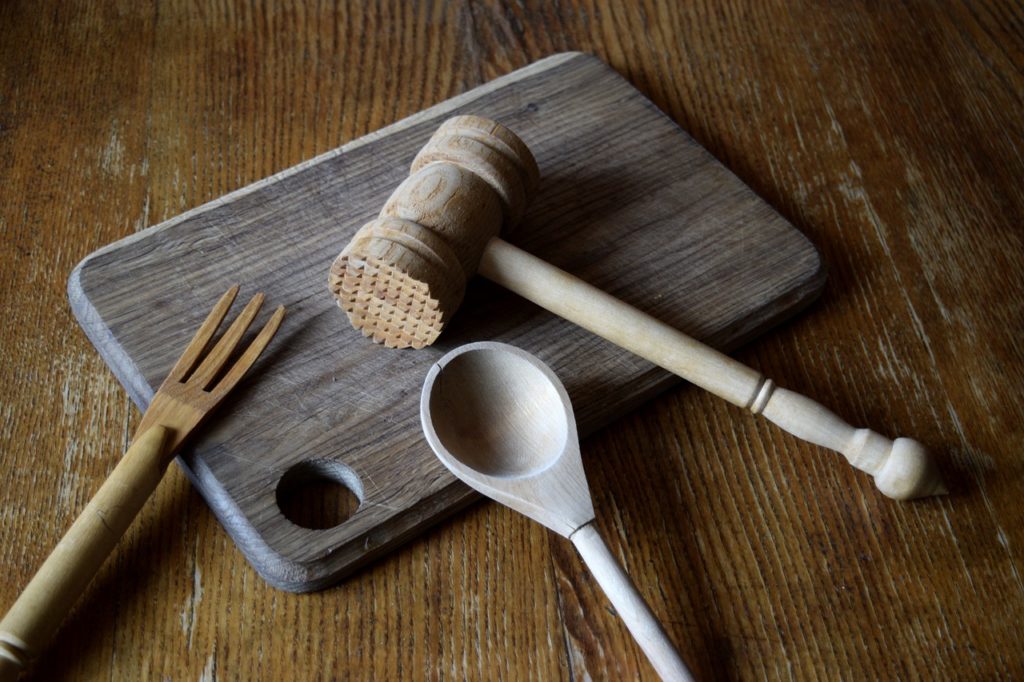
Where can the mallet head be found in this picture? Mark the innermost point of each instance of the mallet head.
(403, 274)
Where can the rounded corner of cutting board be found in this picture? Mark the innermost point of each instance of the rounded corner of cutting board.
(813, 271)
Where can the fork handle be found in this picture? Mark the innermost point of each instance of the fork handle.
(34, 618)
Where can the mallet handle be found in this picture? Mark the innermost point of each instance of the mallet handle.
(901, 468)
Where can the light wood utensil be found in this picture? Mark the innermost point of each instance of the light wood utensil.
(501, 421)
(196, 384)
(403, 275)
(272, 231)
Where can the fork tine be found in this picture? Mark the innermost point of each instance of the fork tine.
(250, 355)
(216, 358)
(202, 337)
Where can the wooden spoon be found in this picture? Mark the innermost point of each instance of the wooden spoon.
(501, 421)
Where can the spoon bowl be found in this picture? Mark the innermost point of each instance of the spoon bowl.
(501, 421)
(497, 411)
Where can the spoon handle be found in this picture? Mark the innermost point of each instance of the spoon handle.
(632, 608)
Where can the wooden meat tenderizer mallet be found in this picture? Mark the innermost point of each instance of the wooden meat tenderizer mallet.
(403, 275)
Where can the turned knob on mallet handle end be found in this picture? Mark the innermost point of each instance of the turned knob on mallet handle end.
(902, 468)
(909, 472)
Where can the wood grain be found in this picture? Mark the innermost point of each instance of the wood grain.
(684, 239)
(889, 133)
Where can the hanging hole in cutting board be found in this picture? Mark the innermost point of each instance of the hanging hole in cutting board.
(319, 494)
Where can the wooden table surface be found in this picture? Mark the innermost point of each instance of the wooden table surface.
(892, 134)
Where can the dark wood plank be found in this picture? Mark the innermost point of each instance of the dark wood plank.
(628, 201)
(889, 133)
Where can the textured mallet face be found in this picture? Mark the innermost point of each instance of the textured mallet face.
(398, 283)
(385, 303)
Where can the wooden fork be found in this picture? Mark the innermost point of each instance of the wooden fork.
(194, 387)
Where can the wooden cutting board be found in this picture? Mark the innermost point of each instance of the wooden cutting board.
(627, 201)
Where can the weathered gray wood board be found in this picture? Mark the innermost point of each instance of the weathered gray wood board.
(652, 217)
